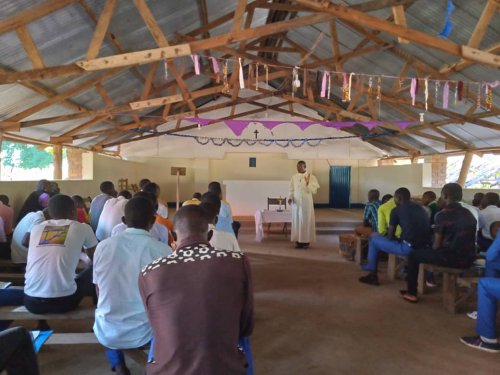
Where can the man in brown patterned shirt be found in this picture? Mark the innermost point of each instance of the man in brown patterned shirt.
(199, 301)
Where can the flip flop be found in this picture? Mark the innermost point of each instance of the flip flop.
(408, 297)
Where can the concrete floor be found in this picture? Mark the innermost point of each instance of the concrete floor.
(314, 317)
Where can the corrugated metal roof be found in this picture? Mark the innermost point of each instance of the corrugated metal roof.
(63, 37)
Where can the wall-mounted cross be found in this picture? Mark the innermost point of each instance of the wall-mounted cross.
(256, 132)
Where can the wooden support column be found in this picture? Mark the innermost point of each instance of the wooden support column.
(75, 163)
(465, 168)
(57, 162)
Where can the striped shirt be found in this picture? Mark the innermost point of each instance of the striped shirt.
(370, 214)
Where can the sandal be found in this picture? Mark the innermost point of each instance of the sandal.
(408, 297)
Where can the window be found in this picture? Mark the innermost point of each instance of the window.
(484, 173)
(27, 162)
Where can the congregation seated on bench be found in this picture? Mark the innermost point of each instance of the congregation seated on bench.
(454, 240)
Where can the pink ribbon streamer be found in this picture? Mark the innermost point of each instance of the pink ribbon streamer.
(446, 95)
(215, 65)
(413, 90)
(323, 84)
(196, 62)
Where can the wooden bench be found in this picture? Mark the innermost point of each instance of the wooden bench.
(138, 355)
(450, 291)
(21, 313)
(14, 277)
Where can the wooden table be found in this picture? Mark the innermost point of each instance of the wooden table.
(267, 217)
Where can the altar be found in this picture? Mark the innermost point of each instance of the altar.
(263, 217)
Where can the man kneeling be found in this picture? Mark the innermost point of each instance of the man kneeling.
(120, 319)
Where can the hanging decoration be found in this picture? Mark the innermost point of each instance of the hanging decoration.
(295, 80)
(323, 83)
(239, 125)
(460, 89)
(413, 90)
(436, 92)
(165, 64)
(426, 93)
(241, 76)
(304, 86)
(257, 77)
(329, 85)
(370, 86)
(478, 98)
(379, 89)
(345, 94)
(225, 88)
(281, 142)
(196, 62)
(489, 98)
(421, 114)
(446, 94)
(266, 68)
(349, 85)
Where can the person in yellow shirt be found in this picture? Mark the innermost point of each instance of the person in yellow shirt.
(384, 216)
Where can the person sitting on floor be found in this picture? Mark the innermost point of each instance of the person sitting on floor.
(120, 318)
(370, 216)
(20, 238)
(196, 200)
(111, 215)
(210, 303)
(37, 200)
(17, 354)
(158, 231)
(154, 188)
(219, 239)
(488, 296)
(54, 251)
(487, 216)
(415, 233)
(454, 240)
(429, 201)
(107, 192)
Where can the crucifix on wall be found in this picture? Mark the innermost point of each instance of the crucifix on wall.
(177, 171)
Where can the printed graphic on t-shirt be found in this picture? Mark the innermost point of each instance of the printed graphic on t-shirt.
(54, 235)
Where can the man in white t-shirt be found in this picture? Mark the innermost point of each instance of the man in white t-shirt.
(120, 319)
(55, 246)
(158, 232)
(487, 216)
(20, 238)
(219, 239)
(111, 215)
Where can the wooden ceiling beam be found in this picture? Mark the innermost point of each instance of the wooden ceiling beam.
(415, 36)
(112, 38)
(64, 95)
(32, 14)
(162, 41)
(30, 47)
(101, 29)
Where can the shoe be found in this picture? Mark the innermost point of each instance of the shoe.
(478, 343)
(299, 245)
(408, 297)
(371, 279)
(472, 315)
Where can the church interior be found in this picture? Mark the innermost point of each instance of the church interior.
(370, 94)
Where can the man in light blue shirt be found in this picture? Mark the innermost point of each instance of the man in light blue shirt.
(225, 218)
(120, 319)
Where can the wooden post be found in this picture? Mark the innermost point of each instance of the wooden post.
(465, 168)
(57, 162)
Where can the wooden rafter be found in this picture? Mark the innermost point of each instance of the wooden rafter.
(30, 47)
(412, 35)
(101, 29)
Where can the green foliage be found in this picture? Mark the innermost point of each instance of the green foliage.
(24, 156)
